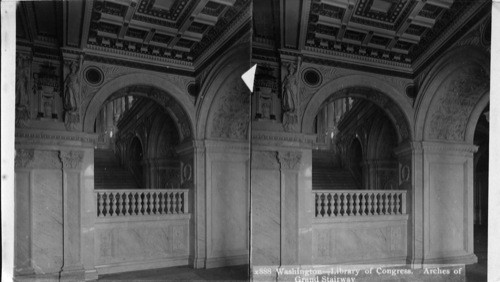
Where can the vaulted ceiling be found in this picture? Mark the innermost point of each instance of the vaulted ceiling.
(174, 31)
(384, 33)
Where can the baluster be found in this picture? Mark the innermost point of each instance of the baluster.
(113, 204)
(398, 205)
(342, 203)
(161, 201)
(329, 204)
(127, 204)
(370, 203)
(377, 205)
(156, 202)
(316, 204)
(385, 204)
(182, 202)
(140, 203)
(107, 206)
(171, 201)
(336, 198)
(178, 201)
(99, 204)
(134, 205)
(362, 204)
(162, 210)
(351, 203)
(390, 203)
(167, 195)
(322, 211)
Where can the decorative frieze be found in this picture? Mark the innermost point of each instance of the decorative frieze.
(71, 159)
(23, 158)
(289, 160)
(231, 118)
(454, 103)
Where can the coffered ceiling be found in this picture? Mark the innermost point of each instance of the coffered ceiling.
(180, 30)
(380, 32)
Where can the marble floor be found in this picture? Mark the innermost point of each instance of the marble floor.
(474, 273)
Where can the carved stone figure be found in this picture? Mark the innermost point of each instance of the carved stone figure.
(22, 82)
(72, 88)
(290, 88)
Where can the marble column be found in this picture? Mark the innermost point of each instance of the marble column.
(56, 210)
(71, 168)
(282, 203)
(199, 233)
(439, 177)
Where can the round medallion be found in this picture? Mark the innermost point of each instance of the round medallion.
(312, 77)
(94, 75)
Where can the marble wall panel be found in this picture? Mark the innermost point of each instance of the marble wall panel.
(359, 242)
(47, 221)
(265, 217)
(229, 208)
(136, 241)
(447, 208)
(22, 221)
(73, 218)
(290, 218)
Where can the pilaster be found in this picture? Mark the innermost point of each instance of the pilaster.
(439, 177)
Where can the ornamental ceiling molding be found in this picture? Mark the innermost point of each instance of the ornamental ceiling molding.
(225, 36)
(451, 29)
(156, 30)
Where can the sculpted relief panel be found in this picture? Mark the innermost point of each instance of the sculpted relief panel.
(456, 99)
(230, 118)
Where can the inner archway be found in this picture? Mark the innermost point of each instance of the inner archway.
(144, 135)
(355, 147)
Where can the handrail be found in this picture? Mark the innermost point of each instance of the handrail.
(141, 202)
(344, 203)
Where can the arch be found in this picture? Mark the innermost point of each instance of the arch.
(448, 73)
(167, 94)
(367, 87)
(231, 65)
(474, 117)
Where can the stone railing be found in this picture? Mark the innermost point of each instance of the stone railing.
(141, 202)
(356, 203)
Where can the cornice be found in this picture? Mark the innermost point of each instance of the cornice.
(238, 23)
(53, 137)
(110, 53)
(271, 138)
(357, 59)
(435, 147)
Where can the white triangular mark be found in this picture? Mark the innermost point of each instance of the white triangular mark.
(249, 77)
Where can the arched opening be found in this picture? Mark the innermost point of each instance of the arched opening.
(356, 160)
(481, 169)
(354, 147)
(143, 166)
(135, 161)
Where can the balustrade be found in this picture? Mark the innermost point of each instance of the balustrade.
(343, 203)
(130, 202)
